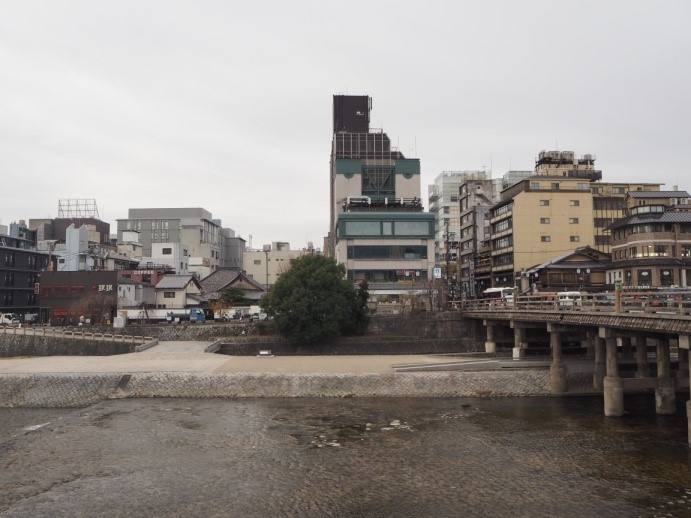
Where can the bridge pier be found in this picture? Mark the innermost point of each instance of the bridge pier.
(613, 385)
(519, 345)
(600, 369)
(683, 370)
(643, 370)
(589, 344)
(665, 397)
(557, 369)
(490, 344)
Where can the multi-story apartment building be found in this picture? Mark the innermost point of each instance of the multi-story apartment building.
(443, 197)
(538, 218)
(207, 242)
(378, 229)
(609, 206)
(563, 206)
(651, 247)
(20, 272)
(267, 265)
(476, 197)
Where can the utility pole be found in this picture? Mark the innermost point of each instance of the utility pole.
(447, 238)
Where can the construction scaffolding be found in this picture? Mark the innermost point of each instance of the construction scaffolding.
(77, 208)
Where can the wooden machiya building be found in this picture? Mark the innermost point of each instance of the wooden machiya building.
(651, 247)
(69, 296)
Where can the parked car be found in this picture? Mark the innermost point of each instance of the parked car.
(258, 317)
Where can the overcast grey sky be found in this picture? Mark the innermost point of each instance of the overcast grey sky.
(227, 105)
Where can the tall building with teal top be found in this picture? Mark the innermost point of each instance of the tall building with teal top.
(379, 229)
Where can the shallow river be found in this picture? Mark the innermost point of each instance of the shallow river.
(345, 457)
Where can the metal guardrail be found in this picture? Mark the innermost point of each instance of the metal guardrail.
(649, 302)
(80, 335)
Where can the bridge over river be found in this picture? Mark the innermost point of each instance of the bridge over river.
(653, 328)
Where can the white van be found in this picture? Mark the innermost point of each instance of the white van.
(569, 298)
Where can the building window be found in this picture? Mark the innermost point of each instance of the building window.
(644, 278)
(257, 261)
(167, 251)
(544, 203)
(618, 190)
(544, 221)
(583, 186)
(545, 239)
(573, 221)
(534, 186)
(574, 203)
(574, 239)
(666, 278)
(168, 294)
(554, 186)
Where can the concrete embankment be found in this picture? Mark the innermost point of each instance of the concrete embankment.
(75, 390)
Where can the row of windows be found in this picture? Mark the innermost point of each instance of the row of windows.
(387, 252)
(10, 298)
(387, 228)
(387, 275)
(650, 229)
(502, 242)
(547, 221)
(502, 210)
(554, 186)
(502, 260)
(502, 225)
(635, 252)
(9, 279)
(548, 239)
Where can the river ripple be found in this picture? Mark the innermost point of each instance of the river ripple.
(345, 457)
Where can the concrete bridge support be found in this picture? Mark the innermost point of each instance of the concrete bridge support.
(490, 344)
(557, 369)
(626, 347)
(613, 384)
(600, 369)
(665, 398)
(683, 370)
(589, 344)
(519, 343)
(643, 370)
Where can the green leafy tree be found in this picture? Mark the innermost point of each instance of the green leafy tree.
(313, 301)
(233, 296)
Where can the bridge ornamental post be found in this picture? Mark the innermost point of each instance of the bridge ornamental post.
(490, 344)
(557, 369)
(643, 370)
(613, 386)
(665, 398)
(600, 370)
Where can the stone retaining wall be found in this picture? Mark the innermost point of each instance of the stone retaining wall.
(30, 345)
(74, 390)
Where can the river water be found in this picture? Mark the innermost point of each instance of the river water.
(345, 457)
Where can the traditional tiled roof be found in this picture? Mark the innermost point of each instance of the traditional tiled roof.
(220, 279)
(659, 194)
(175, 282)
(670, 216)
